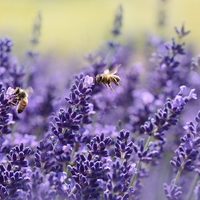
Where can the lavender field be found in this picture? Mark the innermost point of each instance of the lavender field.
(78, 137)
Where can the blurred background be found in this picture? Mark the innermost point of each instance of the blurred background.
(72, 28)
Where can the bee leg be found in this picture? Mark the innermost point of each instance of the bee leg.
(115, 82)
(105, 85)
(110, 87)
(11, 103)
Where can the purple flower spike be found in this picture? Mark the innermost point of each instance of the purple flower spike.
(166, 117)
(181, 32)
(123, 149)
(172, 191)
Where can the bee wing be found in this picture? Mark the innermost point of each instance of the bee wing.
(115, 69)
(29, 90)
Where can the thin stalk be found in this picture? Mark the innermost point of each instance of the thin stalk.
(33, 42)
(139, 163)
(27, 74)
(135, 175)
(73, 190)
(66, 168)
(179, 172)
(193, 185)
(178, 175)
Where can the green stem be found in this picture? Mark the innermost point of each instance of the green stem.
(27, 74)
(147, 142)
(177, 175)
(73, 190)
(135, 175)
(191, 191)
(145, 147)
(179, 172)
(67, 170)
(139, 163)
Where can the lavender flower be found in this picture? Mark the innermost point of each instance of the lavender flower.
(181, 31)
(122, 148)
(5, 49)
(121, 170)
(98, 145)
(167, 116)
(10, 71)
(172, 68)
(12, 179)
(88, 82)
(185, 158)
(172, 191)
(6, 116)
(44, 155)
(69, 122)
(117, 25)
(87, 175)
(18, 154)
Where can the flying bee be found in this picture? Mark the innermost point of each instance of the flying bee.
(108, 76)
(20, 98)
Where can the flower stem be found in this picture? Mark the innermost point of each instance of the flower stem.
(177, 176)
(179, 171)
(73, 190)
(191, 191)
(135, 175)
(139, 163)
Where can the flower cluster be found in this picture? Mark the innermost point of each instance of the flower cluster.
(186, 158)
(10, 71)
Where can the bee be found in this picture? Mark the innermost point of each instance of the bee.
(20, 98)
(108, 76)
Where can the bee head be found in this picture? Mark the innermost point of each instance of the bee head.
(20, 93)
(99, 78)
(17, 90)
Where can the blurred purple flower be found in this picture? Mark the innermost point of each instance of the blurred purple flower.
(181, 31)
(88, 81)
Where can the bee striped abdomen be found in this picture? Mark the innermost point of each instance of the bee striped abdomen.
(21, 105)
